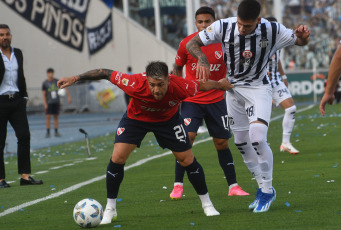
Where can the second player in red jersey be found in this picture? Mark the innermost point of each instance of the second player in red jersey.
(217, 67)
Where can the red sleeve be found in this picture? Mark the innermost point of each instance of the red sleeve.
(128, 83)
(187, 88)
(181, 55)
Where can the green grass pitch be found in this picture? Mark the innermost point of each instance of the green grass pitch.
(308, 185)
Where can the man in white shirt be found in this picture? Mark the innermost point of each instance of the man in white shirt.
(13, 98)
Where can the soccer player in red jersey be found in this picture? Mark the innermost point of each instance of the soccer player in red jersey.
(209, 106)
(156, 96)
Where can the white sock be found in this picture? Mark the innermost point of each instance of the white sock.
(233, 185)
(178, 183)
(258, 134)
(111, 203)
(205, 200)
(243, 143)
(288, 123)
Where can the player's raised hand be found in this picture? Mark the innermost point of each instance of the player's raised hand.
(302, 32)
(66, 81)
(327, 98)
(225, 84)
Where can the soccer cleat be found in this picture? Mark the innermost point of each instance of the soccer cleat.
(209, 210)
(109, 215)
(237, 191)
(289, 148)
(255, 202)
(265, 202)
(177, 192)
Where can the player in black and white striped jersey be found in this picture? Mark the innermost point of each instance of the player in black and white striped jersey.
(248, 42)
(281, 96)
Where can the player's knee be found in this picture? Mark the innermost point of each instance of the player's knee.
(220, 144)
(185, 159)
(117, 159)
(291, 110)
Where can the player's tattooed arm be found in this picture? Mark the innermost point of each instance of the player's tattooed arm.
(177, 70)
(92, 75)
(96, 74)
(203, 66)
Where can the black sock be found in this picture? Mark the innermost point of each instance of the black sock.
(48, 131)
(115, 173)
(56, 130)
(196, 176)
(227, 164)
(179, 172)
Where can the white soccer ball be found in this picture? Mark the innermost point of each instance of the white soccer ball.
(88, 213)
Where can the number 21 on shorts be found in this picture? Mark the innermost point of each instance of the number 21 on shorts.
(180, 133)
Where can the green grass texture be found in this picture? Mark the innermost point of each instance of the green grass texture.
(308, 185)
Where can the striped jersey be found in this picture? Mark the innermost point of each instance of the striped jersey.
(246, 57)
(275, 76)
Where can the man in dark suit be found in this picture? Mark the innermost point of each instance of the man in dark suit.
(13, 98)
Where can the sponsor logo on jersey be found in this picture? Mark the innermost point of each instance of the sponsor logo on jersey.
(132, 85)
(218, 54)
(177, 57)
(213, 67)
(173, 103)
(125, 81)
(118, 78)
(187, 121)
(247, 54)
(264, 42)
(209, 29)
(120, 130)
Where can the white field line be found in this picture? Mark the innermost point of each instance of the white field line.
(79, 185)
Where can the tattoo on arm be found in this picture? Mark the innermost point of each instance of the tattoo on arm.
(177, 70)
(96, 74)
(193, 47)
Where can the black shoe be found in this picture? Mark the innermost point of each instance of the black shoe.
(47, 135)
(3, 184)
(30, 181)
(57, 134)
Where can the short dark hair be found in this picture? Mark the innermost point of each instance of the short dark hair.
(271, 19)
(50, 70)
(129, 68)
(249, 10)
(157, 69)
(205, 10)
(4, 26)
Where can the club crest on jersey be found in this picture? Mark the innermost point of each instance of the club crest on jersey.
(187, 121)
(218, 54)
(125, 81)
(120, 130)
(264, 42)
(247, 54)
(173, 103)
(209, 29)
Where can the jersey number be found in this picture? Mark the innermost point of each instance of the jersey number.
(180, 133)
(249, 111)
(225, 122)
(280, 92)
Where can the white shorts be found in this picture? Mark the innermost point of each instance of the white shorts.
(280, 93)
(248, 104)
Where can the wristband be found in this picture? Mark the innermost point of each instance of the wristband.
(284, 77)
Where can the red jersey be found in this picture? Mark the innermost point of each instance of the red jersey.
(214, 55)
(143, 106)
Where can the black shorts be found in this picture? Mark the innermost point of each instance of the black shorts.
(52, 109)
(170, 134)
(215, 116)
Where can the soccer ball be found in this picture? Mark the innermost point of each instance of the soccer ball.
(88, 213)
